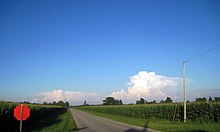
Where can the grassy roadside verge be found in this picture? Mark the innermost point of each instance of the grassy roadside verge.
(163, 125)
(62, 121)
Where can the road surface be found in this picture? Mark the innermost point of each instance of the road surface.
(90, 123)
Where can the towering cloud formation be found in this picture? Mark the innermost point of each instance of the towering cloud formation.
(145, 85)
(149, 86)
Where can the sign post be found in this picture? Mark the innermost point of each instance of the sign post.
(21, 113)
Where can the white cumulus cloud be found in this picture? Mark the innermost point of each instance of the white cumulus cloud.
(145, 85)
(149, 86)
(73, 97)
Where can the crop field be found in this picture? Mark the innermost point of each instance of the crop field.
(203, 112)
(39, 113)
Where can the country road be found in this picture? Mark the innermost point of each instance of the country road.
(90, 123)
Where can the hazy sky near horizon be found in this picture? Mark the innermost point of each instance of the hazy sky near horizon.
(87, 50)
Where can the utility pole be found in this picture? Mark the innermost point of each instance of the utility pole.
(184, 75)
(184, 86)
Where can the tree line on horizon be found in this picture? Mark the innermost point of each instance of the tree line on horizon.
(113, 101)
(59, 103)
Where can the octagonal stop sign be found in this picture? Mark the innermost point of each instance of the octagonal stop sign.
(21, 112)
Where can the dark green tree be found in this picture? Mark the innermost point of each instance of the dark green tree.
(201, 99)
(85, 103)
(61, 103)
(141, 101)
(112, 101)
(67, 104)
(168, 100)
(210, 99)
(217, 99)
(109, 101)
(152, 102)
(120, 102)
(162, 101)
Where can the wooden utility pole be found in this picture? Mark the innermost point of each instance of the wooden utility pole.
(184, 75)
(184, 86)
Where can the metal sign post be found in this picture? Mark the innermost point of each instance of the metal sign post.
(21, 115)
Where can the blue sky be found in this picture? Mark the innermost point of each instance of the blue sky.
(95, 46)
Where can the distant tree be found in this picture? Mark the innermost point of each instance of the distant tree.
(204, 99)
(109, 101)
(120, 102)
(201, 99)
(45, 103)
(141, 101)
(161, 101)
(168, 100)
(152, 102)
(210, 99)
(26, 102)
(198, 100)
(217, 99)
(67, 104)
(85, 103)
(112, 101)
(61, 103)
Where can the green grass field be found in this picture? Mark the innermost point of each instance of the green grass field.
(42, 118)
(163, 125)
(62, 122)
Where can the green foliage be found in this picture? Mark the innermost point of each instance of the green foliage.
(210, 99)
(38, 112)
(141, 101)
(112, 101)
(201, 99)
(217, 99)
(59, 103)
(168, 100)
(60, 122)
(169, 111)
(163, 125)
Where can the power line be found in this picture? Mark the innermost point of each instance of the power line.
(202, 53)
(184, 75)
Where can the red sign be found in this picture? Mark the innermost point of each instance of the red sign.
(21, 112)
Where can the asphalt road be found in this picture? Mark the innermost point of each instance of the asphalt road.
(90, 123)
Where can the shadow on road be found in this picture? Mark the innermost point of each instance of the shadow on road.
(81, 128)
(136, 130)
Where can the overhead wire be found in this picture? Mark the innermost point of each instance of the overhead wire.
(202, 53)
(196, 56)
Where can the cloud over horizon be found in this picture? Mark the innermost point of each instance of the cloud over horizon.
(149, 86)
(145, 85)
(73, 97)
